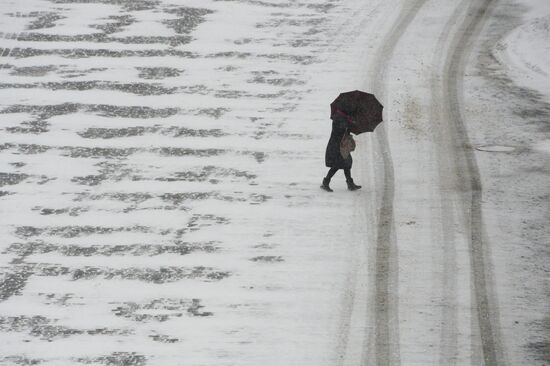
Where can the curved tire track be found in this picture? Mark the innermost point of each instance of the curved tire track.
(384, 316)
(356, 277)
(468, 179)
(442, 139)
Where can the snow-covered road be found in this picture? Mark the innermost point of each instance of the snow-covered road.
(159, 173)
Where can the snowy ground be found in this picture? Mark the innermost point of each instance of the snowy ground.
(159, 173)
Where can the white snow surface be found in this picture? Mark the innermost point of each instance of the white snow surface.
(160, 170)
(526, 50)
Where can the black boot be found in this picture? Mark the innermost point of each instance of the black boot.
(325, 185)
(352, 186)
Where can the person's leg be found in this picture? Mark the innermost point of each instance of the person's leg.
(327, 179)
(331, 173)
(347, 173)
(351, 185)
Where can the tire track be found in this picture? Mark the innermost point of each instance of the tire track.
(384, 316)
(356, 278)
(468, 179)
(448, 352)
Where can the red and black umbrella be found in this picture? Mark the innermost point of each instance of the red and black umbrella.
(363, 110)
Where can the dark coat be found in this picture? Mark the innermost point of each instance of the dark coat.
(333, 158)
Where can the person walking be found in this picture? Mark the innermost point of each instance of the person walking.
(338, 152)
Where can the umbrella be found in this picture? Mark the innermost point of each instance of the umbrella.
(363, 110)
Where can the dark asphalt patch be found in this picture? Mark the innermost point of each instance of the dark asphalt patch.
(111, 152)
(116, 359)
(227, 68)
(9, 179)
(163, 338)
(188, 18)
(66, 72)
(26, 149)
(285, 20)
(211, 112)
(70, 211)
(31, 149)
(104, 38)
(174, 131)
(265, 246)
(62, 299)
(267, 259)
(20, 52)
(207, 173)
(295, 59)
(71, 250)
(127, 5)
(196, 89)
(133, 88)
(178, 199)
(291, 136)
(175, 200)
(75, 53)
(202, 220)
(30, 127)
(20, 360)
(187, 132)
(44, 20)
(135, 198)
(82, 152)
(33, 71)
(112, 171)
(106, 110)
(161, 310)
(304, 42)
(48, 329)
(13, 281)
(76, 231)
(109, 133)
(195, 309)
(230, 54)
(321, 7)
(40, 114)
(181, 151)
(232, 94)
(151, 275)
(97, 152)
(115, 23)
(158, 72)
(258, 155)
(44, 111)
(92, 180)
(43, 179)
(270, 77)
(264, 3)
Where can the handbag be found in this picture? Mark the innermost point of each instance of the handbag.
(347, 145)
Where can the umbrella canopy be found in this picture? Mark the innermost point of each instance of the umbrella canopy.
(363, 110)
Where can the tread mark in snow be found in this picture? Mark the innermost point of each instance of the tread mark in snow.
(385, 316)
(485, 300)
